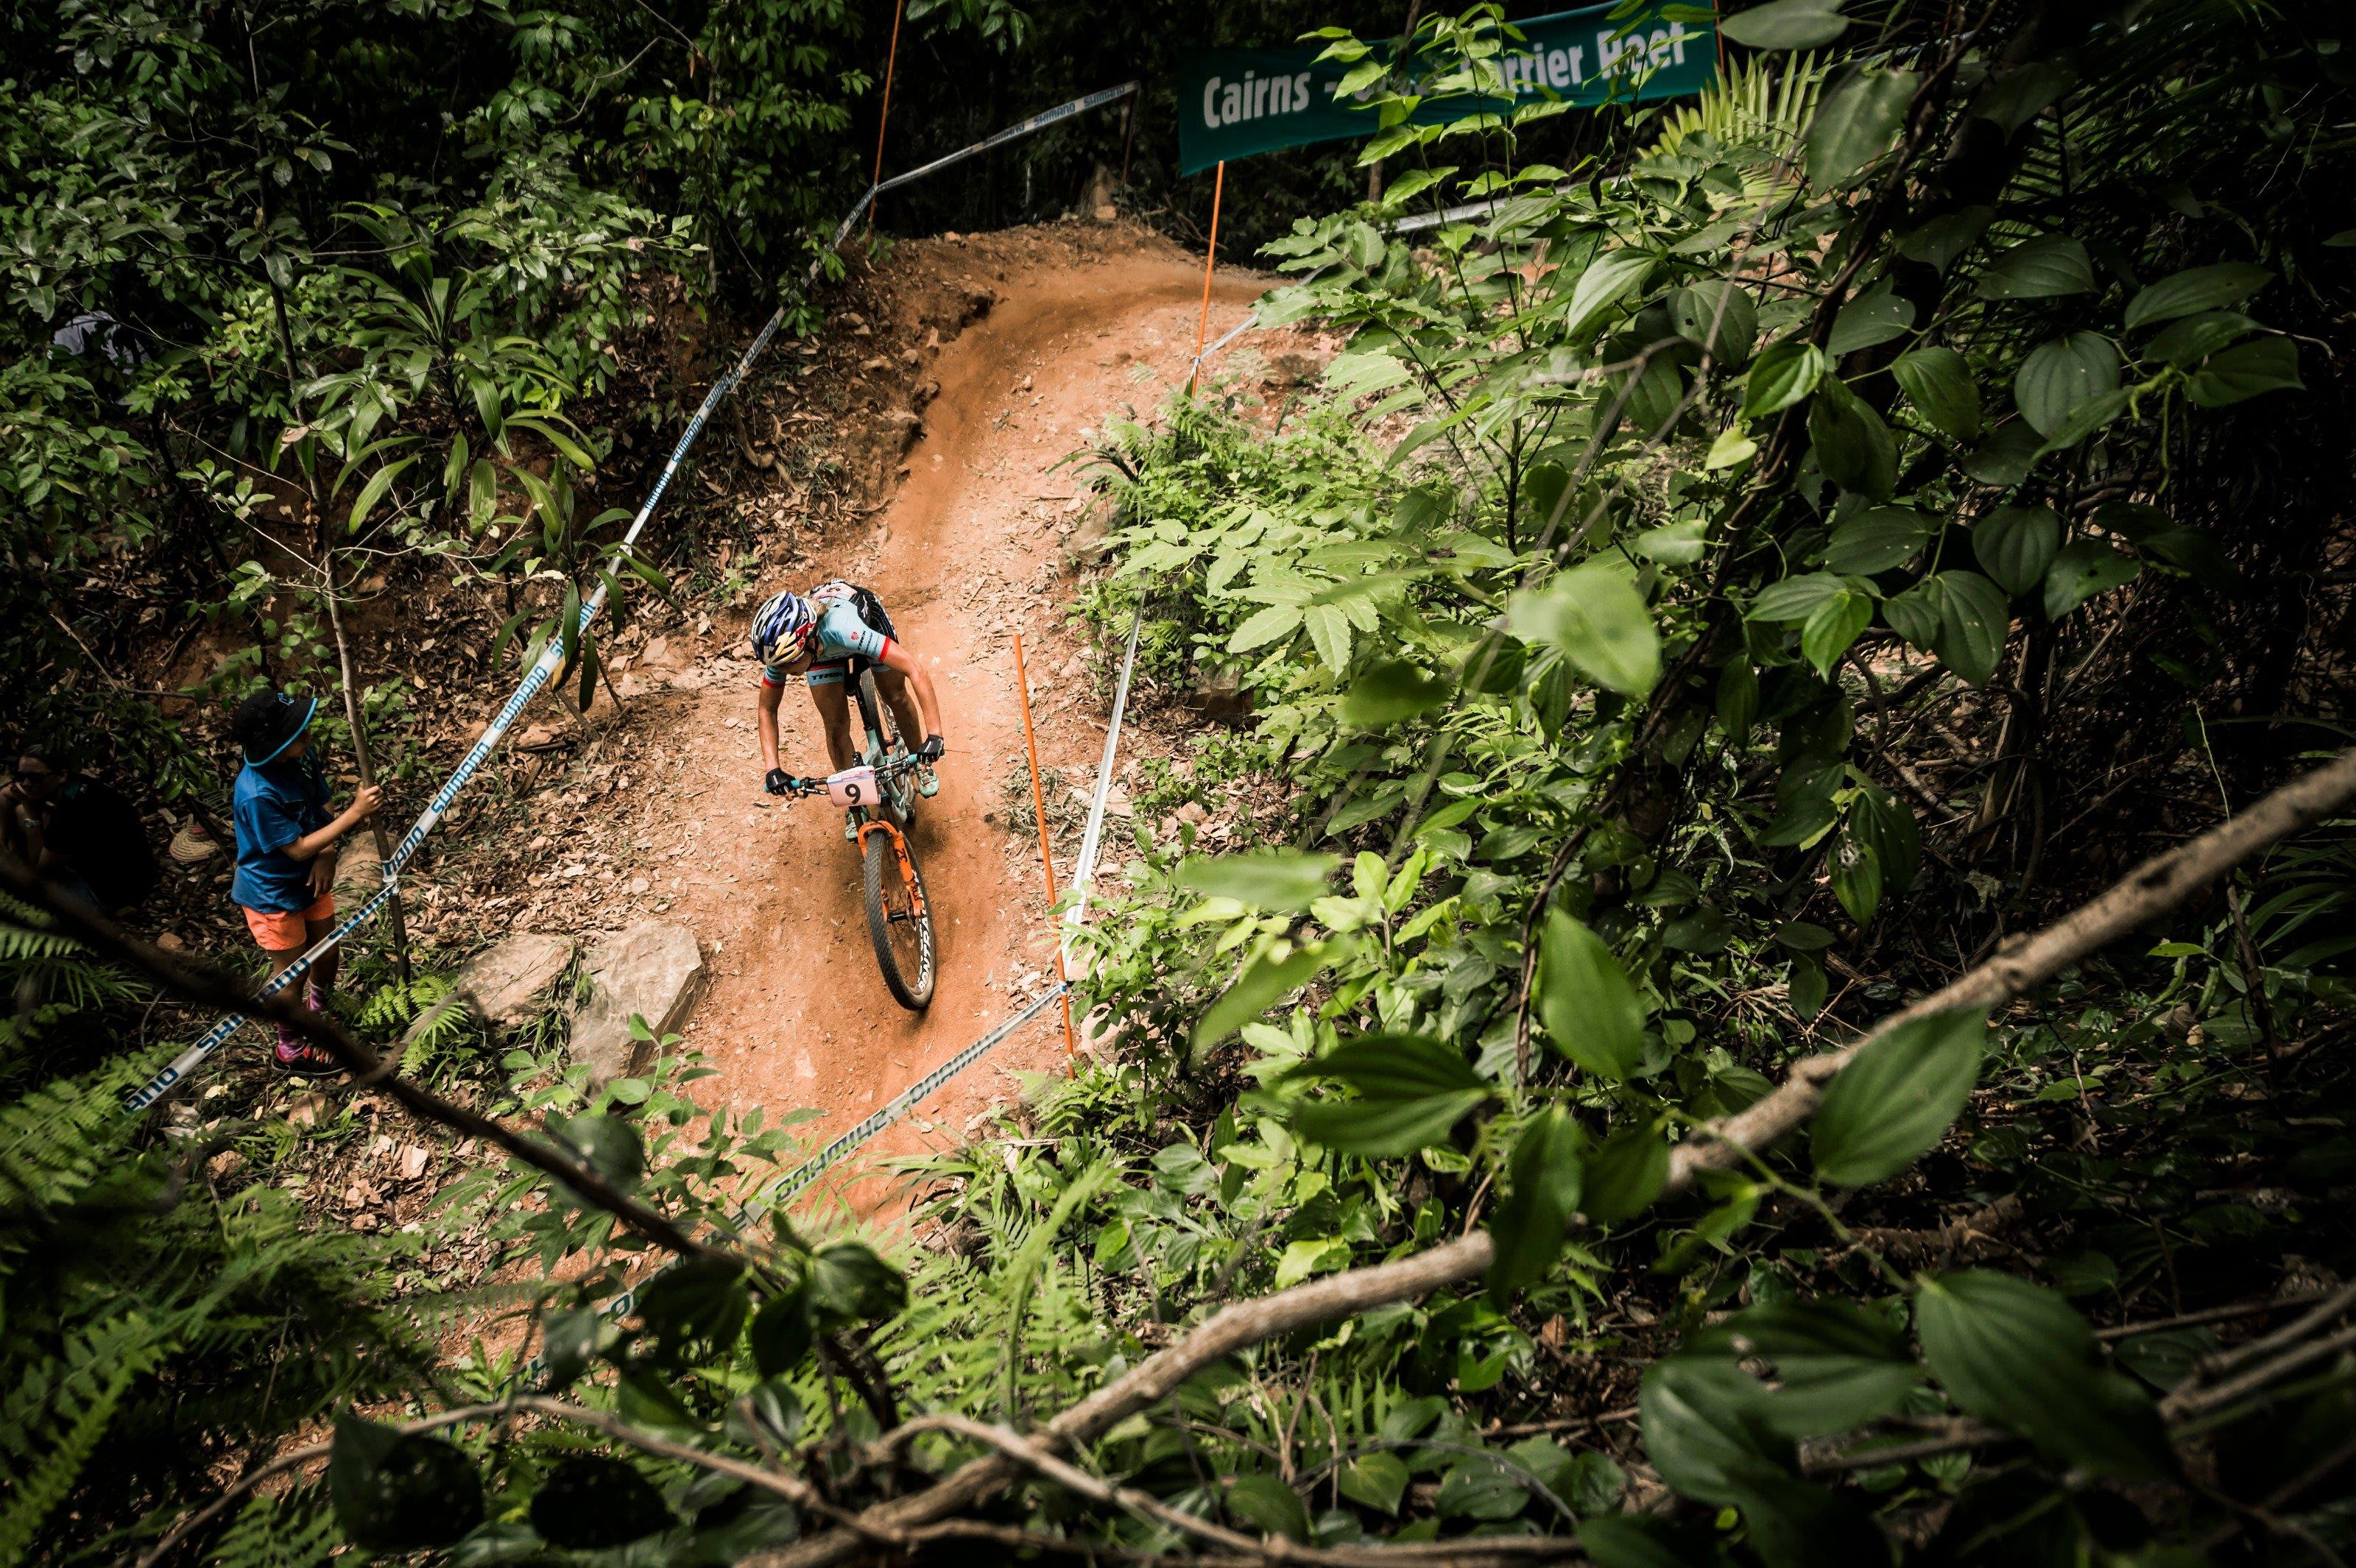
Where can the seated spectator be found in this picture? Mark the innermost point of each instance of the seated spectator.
(99, 834)
(81, 835)
(287, 850)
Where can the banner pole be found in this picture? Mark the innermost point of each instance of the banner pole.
(1210, 259)
(1047, 858)
(883, 120)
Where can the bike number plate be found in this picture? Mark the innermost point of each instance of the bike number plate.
(854, 786)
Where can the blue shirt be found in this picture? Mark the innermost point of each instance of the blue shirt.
(840, 636)
(272, 806)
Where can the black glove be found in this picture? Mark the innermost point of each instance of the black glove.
(931, 749)
(780, 782)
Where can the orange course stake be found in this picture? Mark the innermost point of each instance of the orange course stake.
(1210, 259)
(1047, 858)
(883, 120)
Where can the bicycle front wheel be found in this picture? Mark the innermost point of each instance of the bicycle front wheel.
(899, 921)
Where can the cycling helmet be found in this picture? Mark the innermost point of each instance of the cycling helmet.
(783, 627)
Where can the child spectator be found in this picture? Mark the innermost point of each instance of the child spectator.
(287, 850)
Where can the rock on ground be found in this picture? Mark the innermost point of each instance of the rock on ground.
(652, 970)
(504, 982)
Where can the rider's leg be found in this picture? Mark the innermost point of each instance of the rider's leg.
(833, 705)
(892, 686)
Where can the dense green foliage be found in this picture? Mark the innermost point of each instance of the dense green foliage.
(1728, 593)
(335, 284)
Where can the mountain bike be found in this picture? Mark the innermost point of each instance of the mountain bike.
(879, 800)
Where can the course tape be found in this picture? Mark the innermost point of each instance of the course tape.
(552, 658)
(796, 1181)
(792, 1184)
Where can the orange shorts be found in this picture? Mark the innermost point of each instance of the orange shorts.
(288, 931)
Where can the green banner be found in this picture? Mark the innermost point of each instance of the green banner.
(1234, 102)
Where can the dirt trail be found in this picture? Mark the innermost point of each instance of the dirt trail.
(964, 554)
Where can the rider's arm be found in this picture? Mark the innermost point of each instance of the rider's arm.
(766, 718)
(929, 708)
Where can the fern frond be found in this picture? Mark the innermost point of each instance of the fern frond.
(297, 1530)
(57, 1417)
(1760, 102)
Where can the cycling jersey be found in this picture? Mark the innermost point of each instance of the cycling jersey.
(851, 625)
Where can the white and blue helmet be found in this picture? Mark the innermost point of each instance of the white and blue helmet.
(783, 627)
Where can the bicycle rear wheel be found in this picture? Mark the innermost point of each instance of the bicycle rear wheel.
(899, 921)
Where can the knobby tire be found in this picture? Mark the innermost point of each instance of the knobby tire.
(887, 894)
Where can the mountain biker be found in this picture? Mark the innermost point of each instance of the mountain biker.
(816, 635)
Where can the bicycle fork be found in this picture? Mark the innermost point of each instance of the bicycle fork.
(900, 852)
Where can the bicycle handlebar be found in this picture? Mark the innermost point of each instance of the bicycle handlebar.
(882, 770)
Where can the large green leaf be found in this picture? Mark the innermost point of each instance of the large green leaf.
(1261, 878)
(1600, 287)
(1884, 822)
(1897, 1098)
(1795, 598)
(1264, 627)
(1411, 1089)
(1593, 1013)
(1596, 618)
(2060, 376)
(2083, 568)
(588, 1502)
(2196, 289)
(1856, 875)
(1853, 446)
(606, 1145)
(849, 1284)
(1268, 1506)
(1328, 633)
(1787, 25)
(2186, 343)
(2016, 544)
(1389, 692)
(397, 1492)
(1702, 1433)
(1837, 1365)
(2044, 267)
(1941, 384)
(1856, 123)
(1265, 980)
(1376, 1480)
(1877, 539)
(2014, 1353)
(1624, 1173)
(1870, 318)
(1719, 315)
(1780, 376)
(379, 483)
(1530, 1220)
(2244, 371)
(1974, 620)
(1833, 626)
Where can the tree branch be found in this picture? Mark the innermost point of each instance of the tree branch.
(203, 984)
(2151, 889)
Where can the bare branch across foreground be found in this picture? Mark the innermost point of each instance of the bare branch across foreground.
(207, 985)
(2151, 889)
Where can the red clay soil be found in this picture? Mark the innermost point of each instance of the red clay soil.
(964, 555)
